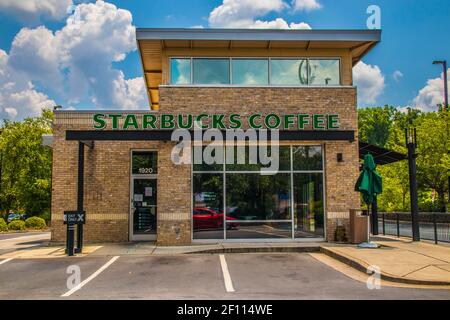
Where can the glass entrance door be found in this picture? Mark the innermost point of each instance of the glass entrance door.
(143, 209)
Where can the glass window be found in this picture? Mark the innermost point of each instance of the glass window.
(198, 152)
(145, 162)
(211, 71)
(207, 215)
(288, 72)
(241, 158)
(250, 72)
(259, 230)
(180, 71)
(307, 158)
(324, 72)
(251, 196)
(308, 205)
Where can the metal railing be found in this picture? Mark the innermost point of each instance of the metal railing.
(433, 226)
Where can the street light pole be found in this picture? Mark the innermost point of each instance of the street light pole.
(411, 144)
(444, 66)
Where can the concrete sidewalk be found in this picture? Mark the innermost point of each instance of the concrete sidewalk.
(400, 261)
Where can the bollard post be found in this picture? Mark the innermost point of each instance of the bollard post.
(435, 229)
(384, 225)
(398, 225)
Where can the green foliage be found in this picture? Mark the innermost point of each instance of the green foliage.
(35, 223)
(3, 225)
(385, 127)
(25, 183)
(16, 225)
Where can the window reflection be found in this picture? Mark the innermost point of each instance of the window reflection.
(308, 205)
(307, 158)
(180, 71)
(324, 72)
(207, 215)
(144, 162)
(250, 72)
(211, 71)
(289, 72)
(253, 196)
(260, 230)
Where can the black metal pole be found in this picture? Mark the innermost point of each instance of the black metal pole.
(435, 229)
(375, 217)
(80, 195)
(398, 225)
(384, 225)
(411, 145)
(70, 239)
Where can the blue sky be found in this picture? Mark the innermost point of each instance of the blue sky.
(69, 72)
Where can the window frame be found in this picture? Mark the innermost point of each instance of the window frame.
(291, 173)
(307, 58)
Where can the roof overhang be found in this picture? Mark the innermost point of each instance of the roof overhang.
(151, 42)
(381, 156)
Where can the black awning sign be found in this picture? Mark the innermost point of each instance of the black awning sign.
(74, 217)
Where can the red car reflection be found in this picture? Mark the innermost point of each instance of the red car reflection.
(205, 218)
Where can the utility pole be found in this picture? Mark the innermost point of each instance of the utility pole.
(411, 144)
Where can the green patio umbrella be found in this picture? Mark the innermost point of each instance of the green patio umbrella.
(369, 182)
(370, 185)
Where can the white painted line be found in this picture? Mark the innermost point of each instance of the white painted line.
(226, 274)
(5, 261)
(91, 277)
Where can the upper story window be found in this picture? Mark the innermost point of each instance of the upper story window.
(255, 71)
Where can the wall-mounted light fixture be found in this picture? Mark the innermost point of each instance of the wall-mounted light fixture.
(340, 157)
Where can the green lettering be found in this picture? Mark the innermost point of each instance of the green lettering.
(217, 121)
(99, 122)
(333, 121)
(267, 121)
(235, 121)
(251, 121)
(318, 121)
(130, 121)
(115, 120)
(148, 120)
(303, 120)
(167, 121)
(199, 120)
(288, 121)
(181, 125)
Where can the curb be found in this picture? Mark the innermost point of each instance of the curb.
(363, 268)
(258, 250)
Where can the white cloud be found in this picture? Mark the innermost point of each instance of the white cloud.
(397, 75)
(244, 14)
(431, 95)
(76, 62)
(306, 5)
(33, 10)
(370, 82)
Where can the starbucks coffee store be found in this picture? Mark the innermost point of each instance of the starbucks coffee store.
(178, 173)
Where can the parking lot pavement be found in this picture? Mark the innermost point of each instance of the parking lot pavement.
(251, 276)
(41, 278)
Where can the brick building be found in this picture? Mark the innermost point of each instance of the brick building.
(298, 82)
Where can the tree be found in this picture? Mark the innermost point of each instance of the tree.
(375, 124)
(433, 161)
(25, 181)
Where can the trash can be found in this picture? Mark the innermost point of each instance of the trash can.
(359, 224)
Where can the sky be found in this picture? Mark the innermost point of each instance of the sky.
(82, 54)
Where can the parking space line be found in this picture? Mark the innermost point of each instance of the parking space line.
(91, 277)
(5, 261)
(226, 274)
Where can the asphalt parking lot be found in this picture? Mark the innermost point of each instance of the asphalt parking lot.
(195, 276)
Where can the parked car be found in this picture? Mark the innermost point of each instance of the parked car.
(15, 216)
(205, 218)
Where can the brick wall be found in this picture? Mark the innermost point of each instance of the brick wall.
(107, 166)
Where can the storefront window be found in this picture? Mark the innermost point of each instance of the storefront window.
(211, 71)
(289, 72)
(250, 72)
(207, 215)
(308, 205)
(260, 205)
(144, 162)
(324, 72)
(307, 158)
(180, 71)
(238, 158)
